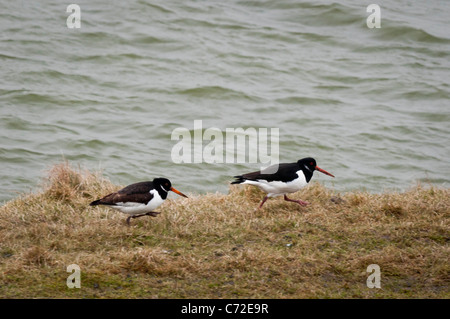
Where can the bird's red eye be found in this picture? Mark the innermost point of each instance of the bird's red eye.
(311, 163)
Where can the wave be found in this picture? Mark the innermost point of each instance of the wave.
(406, 33)
(303, 100)
(215, 92)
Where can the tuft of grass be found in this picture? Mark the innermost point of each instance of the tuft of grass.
(221, 246)
(70, 185)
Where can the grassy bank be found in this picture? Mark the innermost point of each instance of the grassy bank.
(219, 246)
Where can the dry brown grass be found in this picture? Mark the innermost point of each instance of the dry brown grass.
(220, 246)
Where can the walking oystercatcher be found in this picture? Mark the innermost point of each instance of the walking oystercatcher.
(289, 178)
(139, 199)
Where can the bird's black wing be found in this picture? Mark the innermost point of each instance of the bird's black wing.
(138, 193)
(285, 172)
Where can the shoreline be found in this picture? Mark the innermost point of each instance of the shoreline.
(219, 246)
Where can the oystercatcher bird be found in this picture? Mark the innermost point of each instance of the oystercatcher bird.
(289, 178)
(139, 199)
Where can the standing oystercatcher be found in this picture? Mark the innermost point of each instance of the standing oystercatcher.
(289, 178)
(139, 199)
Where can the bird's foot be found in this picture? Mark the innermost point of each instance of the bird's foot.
(128, 220)
(153, 214)
(300, 202)
(263, 201)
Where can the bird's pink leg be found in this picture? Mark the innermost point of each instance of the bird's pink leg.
(154, 214)
(263, 201)
(302, 203)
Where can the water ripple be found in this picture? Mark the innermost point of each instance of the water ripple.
(371, 105)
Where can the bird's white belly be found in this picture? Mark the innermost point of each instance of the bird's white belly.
(133, 208)
(277, 188)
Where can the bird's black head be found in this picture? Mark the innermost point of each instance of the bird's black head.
(309, 165)
(165, 186)
(162, 184)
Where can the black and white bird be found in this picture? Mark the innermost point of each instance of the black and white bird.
(288, 178)
(139, 199)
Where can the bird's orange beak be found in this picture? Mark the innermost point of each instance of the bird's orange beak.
(323, 171)
(178, 192)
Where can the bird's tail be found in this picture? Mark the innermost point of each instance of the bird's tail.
(101, 202)
(95, 202)
(239, 179)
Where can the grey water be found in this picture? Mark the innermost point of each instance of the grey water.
(371, 105)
